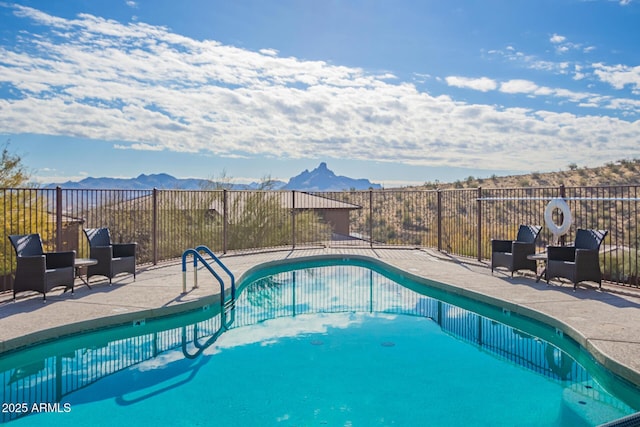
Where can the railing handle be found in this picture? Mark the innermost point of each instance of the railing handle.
(197, 256)
(209, 252)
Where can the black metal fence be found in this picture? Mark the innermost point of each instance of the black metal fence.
(461, 222)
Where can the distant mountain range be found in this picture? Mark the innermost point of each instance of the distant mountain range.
(319, 179)
(141, 182)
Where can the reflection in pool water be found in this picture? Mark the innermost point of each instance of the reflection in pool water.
(339, 345)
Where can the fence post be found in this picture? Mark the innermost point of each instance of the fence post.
(371, 218)
(479, 202)
(439, 219)
(154, 226)
(293, 219)
(224, 220)
(563, 195)
(59, 218)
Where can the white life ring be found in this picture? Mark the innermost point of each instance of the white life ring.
(562, 229)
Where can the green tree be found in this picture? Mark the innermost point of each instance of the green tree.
(20, 210)
(12, 171)
(258, 220)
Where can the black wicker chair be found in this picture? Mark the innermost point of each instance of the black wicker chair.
(40, 271)
(113, 258)
(580, 262)
(512, 254)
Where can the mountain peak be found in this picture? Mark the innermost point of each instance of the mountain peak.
(323, 170)
(324, 179)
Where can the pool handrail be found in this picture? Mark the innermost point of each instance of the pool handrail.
(203, 248)
(196, 257)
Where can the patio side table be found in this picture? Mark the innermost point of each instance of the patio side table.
(83, 263)
(542, 258)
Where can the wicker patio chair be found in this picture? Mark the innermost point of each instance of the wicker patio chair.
(580, 262)
(113, 258)
(40, 271)
(512, 254)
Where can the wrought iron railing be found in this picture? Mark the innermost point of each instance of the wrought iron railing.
(461, 222)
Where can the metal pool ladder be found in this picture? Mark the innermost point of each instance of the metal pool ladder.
(225, 305)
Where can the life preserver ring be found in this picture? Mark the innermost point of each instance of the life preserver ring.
(562, 229)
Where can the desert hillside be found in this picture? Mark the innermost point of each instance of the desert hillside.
(624, 172)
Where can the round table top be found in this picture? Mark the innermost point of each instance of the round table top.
(538, 257)
(84, 262)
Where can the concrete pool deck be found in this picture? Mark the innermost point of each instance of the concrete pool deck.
(606, 322)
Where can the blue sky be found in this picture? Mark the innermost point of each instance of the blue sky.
(399, 91)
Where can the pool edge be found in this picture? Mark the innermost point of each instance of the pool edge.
(89, 325)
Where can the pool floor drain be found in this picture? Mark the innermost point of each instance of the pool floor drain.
(317, 342)
(388, 344)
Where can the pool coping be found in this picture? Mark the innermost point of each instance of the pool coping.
(86, 326)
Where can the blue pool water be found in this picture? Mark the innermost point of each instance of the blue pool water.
(318, 344)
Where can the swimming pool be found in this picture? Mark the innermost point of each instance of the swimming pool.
(324, 342)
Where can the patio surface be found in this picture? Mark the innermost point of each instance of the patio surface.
(606, 322)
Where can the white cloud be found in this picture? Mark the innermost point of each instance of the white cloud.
(518, 86)
(482, 84)
(563, 46)
(269, 52)
(619, 76)
(139, 147)
(624, 104)
(151, 89)
(529, 88)
(46, 176)
(531, 61)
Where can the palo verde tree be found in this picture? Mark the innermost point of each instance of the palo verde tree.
(21, 209)
(12, 171)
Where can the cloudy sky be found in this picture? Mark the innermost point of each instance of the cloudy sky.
(395, 91)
